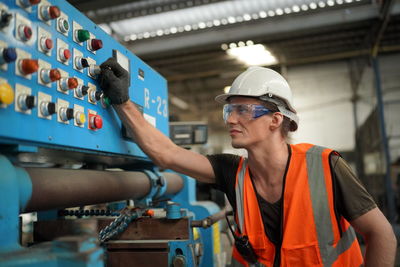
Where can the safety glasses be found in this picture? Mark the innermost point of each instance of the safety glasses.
(245, 111)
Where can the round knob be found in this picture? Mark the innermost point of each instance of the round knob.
(63, 25)
(96, 122)
(24, 32)
(95, 44)
(26, 102)
(28, 66)
(50, 12)
(8, 55)
(47, 108)
(82, 35)
(81, 90)
(5, 19)
(66, 114)
(6, 94)
(46, 44)
(65, 54)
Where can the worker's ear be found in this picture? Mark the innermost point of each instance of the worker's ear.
(277, 120)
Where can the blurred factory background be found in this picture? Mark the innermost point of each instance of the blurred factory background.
(340, 57)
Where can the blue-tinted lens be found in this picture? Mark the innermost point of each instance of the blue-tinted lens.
(260, 111)
(246, 111)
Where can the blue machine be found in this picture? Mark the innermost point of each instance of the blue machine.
(52, 114)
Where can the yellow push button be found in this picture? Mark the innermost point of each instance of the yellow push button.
(6, 94)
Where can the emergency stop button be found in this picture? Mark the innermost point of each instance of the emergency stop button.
(95, 122)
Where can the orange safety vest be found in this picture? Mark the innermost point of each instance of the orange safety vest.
(311, 233)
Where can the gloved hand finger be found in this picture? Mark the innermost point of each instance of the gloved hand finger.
(106, 64)
(107, 78)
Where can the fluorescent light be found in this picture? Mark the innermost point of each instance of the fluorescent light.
(178, 102)
(252, 55)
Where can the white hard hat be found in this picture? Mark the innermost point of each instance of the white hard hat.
(265, 84)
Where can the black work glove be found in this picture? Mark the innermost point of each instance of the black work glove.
(114, 80)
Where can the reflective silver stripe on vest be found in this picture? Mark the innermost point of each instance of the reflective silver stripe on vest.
(239, 195)
(320, 206)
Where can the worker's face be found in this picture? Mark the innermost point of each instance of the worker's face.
(245, 130)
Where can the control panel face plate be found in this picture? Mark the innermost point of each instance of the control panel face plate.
(148, 89)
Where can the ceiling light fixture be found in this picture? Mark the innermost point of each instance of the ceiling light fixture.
(252, 55)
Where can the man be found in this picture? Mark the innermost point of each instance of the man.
(295, 204)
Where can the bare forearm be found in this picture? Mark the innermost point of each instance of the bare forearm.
(381, 249)
(150, 140)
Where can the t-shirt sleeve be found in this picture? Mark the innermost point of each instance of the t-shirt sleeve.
(225, 167)
(352, 199)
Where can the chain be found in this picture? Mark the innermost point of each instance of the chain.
(120, 224)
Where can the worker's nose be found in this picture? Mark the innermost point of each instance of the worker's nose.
(232, 118)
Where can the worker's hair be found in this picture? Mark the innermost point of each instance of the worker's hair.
(287, 125)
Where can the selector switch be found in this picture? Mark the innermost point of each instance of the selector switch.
(47, 108)
(50, 75)
(81, 90)
(7, 55)
(46, 44)
(25, 32)
(6, 94)
(68, 84)
(82, 35)
(95, 44)
(5, 19)
(28, 66)
(26, 102)
(50, 12)
(81, 63)
(95, 96)
(66, 114)
(94, 70)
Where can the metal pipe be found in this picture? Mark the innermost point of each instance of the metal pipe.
(385, 142)
(62, 188)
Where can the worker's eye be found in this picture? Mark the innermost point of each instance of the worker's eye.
(242, 109)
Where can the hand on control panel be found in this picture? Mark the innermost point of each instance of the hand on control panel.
(114, 80)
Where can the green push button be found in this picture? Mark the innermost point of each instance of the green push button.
(82, 35)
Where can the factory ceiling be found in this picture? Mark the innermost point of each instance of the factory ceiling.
(186, 40)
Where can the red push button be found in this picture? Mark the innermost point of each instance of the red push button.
(72, 83)
(50, 12)
(46, 44)
(24, 32)
(96, 44)
(49, 76)
(65, 54)
(28, 66)
(28, 3)
(96, 122)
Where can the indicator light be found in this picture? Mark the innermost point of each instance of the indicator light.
(65, 54)
(28, 66)
(82, 35)
(63, 25)
(68, 83)
(25, 32)
(6, 94)
(7, 55)
(105, 101)
(81, 90)
(50, 12)
(46, 44)
(47, 108)
(95, 44)
(80, 118)
(5, 19)
(95, 122)
(50, 75)
(26, 102)
(66, 114)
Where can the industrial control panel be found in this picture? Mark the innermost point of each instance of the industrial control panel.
(49, 95)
